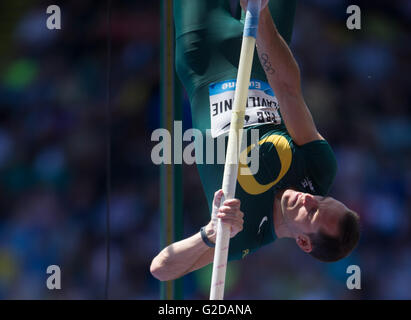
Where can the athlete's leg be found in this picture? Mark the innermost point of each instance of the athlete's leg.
(201, 28)
(208, 40)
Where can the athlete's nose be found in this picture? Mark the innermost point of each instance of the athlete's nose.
(309, 200)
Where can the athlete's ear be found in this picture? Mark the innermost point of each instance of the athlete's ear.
(304, 242)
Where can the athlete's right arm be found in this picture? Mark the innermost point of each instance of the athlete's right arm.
(283, 75)
(192, 253)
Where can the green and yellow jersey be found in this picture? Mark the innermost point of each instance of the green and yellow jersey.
(282, 164)
(208, 42)
(308, 168)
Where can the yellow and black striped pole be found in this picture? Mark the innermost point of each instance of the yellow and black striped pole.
(171, 193)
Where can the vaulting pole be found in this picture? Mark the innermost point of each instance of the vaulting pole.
(234, 144)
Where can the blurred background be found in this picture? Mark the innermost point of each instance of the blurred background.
(53, 150)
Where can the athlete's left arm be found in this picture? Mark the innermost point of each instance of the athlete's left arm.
(284, 77)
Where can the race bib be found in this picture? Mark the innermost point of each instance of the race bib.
(261, 108)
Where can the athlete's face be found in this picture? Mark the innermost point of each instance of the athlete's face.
(305, 213)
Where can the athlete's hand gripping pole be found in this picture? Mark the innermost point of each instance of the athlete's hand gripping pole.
(234, 144)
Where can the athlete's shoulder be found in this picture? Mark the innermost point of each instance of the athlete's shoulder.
(320, 166)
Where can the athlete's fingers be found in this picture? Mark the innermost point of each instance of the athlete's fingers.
(217, 197)
(233, 221)
(232, 203)
(226, 209)
(218, 193)
(231, 211)
(238, 216)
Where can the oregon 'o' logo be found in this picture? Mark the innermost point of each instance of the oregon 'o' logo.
(247, 180)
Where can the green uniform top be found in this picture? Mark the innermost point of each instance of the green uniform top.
(308, 168)
(208, 42)
(282, 164)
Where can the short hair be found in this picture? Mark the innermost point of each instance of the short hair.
(329, 248)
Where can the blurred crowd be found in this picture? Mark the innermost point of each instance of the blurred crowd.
(53, 152)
